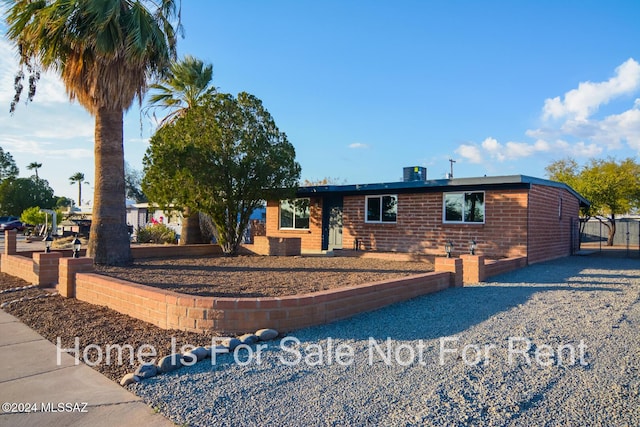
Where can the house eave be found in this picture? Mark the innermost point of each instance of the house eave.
(508, 182)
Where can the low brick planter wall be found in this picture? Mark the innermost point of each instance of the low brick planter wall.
(41, 269)
(171, 310)
(477, 269)
(495, 267)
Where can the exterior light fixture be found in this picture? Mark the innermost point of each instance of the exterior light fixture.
(76, 247)
(47, 243)
(448, 247)
(472, 247)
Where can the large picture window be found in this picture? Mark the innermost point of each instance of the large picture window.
(464, 207)
(294, 214)
(381, 208)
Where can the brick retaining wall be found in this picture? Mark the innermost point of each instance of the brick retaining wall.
(171, 310)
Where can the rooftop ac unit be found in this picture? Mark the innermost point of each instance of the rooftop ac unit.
(415, 173)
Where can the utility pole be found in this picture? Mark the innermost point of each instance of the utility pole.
(451, 161)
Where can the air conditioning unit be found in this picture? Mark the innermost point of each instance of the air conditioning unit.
(414, 173)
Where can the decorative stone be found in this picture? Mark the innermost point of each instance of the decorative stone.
(189, 359)
(170, 363)
(129, 378)
(248, 339)
(146, 370)
(201, 353)
(266, 334)
(231, 343)
(218, 349)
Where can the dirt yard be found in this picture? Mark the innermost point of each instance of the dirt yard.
(258, 276)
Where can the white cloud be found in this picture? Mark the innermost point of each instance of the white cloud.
(41, 149)
(582, 102)
(470, 152)
(357, 145)
(491, 149)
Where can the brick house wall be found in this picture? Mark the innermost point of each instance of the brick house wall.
(420, 228)
(521, 220)
(551, 213)
(311, 239)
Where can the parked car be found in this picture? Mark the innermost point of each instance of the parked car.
(11, 224)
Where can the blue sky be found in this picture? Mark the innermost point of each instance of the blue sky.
(364, 88)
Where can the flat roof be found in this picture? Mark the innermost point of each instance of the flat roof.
(507, 182)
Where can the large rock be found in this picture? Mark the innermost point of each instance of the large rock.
(248, 339)
(170, 363)
(201, 353)
(129, 378)
(146, 370)
(217, 351)
(266, 334)
(189, 359)
(231, 343)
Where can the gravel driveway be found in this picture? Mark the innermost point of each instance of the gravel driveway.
(556, 343)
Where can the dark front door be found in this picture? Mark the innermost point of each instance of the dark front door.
(332, 223)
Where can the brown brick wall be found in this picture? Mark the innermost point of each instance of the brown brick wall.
(275, 246)
(40, 269)
(311, 239)
(550, 233)
(170, 310)
(420, 229)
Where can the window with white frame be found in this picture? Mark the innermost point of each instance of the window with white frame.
(381, 209)
(464, 207)
(294, 214)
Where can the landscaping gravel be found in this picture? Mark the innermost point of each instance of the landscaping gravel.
(262, 276)
(590, 305)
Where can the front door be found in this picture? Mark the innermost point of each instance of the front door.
(332, 223)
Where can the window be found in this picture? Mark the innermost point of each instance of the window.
(381, 208)
(294, 214)
(464, 207)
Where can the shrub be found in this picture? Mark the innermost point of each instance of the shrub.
(33, 216)
(156, 233)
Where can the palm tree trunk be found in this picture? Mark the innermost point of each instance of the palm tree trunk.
(79, 193)
(190, 232)
(109, 238)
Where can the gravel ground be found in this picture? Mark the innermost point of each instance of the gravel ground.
(56, 317)
(588, 304)
(262, 276)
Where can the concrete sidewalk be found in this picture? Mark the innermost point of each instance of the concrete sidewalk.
(30, 374)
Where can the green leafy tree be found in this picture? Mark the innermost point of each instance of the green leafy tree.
(133, 184)
(8, 168)
(34, 166)
(104, 51)
(612, 187)
(222, 158)
(33, 216)
(18, 194)
(78, 178)
(63, 202)
(186, 85)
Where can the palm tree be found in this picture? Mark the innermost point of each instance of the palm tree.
(186, 85)
(104, 52)
(79, 178)
(35, 166)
